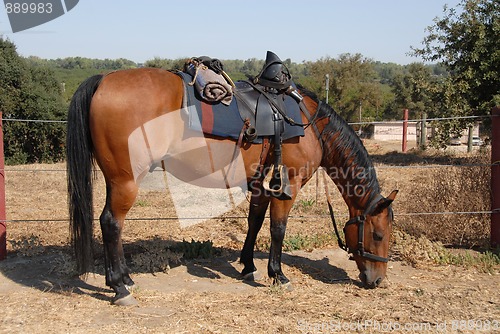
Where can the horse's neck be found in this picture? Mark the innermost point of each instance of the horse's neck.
(352, 172)
(346, 161)
(356, 195)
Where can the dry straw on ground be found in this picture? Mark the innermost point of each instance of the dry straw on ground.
(427, 284)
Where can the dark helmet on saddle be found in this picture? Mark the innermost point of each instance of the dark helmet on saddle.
(274, 74)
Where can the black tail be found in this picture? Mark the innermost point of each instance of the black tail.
(79, 166)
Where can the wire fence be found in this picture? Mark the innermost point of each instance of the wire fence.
(377, 167)
(350, 123)
(167, 218)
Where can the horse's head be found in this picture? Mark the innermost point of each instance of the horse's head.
(367, 238)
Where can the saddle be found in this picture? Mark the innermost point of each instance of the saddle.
(269, 109)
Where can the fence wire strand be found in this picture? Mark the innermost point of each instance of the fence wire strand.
(402, 214)
(350, 123)
(496, 163)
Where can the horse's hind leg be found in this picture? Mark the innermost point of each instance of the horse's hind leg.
(119, 200)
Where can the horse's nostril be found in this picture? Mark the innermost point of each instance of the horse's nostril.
(363, 278)
(369, 283)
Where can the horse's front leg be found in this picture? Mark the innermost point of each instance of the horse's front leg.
(117, 272)
(256, 215)
(279, 217)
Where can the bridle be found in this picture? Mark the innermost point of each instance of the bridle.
(358, 220)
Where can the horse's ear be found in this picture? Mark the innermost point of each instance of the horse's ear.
(392, 195)
(385, 202)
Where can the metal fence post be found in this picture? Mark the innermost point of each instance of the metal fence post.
(3, 224)
(405, 131)
(495, 177)
(423, 133)
(469, 139)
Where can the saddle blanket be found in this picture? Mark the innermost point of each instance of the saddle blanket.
(225, 120)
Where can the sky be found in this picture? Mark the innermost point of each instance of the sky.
(308, 30)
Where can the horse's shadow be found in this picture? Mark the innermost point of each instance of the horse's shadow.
(225, 262)
(38, 271)
(320, 270)
(43, 272)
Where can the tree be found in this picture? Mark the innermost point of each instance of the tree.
(30, 93)
(167, 64)
(415, 90)
(252, 67)
(422, 91)
(466, 42)
(354, 84)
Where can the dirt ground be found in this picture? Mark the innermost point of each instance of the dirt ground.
(40, 294)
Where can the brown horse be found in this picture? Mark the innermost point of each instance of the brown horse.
(130, 121)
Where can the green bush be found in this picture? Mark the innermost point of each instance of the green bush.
(30, 93)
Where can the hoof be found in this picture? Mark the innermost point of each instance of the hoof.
(252, 277)
(128, 300)
(283, 286)
(287, 286)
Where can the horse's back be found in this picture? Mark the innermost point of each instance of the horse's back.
(136, 94)
(125, 101)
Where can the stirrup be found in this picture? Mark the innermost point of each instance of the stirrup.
(277, 183)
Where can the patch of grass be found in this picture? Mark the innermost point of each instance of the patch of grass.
(142, 203)
(484, 262)
(63, 265)
(299, 242)
(155, 257)
(28, 245)
(308, 243)
(276, 288)
(196, 249)
(422, 250)
(305, 204)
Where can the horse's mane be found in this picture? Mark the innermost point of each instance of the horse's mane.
(344, 152)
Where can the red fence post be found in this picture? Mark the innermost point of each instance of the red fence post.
(405, 131)
(495, 177)
(3, 224)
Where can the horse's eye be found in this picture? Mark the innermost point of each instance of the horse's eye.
(378, 236)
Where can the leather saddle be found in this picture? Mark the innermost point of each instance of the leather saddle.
(258, 108)
(266, 105)
(271, 95)
(266, 95)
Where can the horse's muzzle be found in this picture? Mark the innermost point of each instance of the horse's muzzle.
(370, 283)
